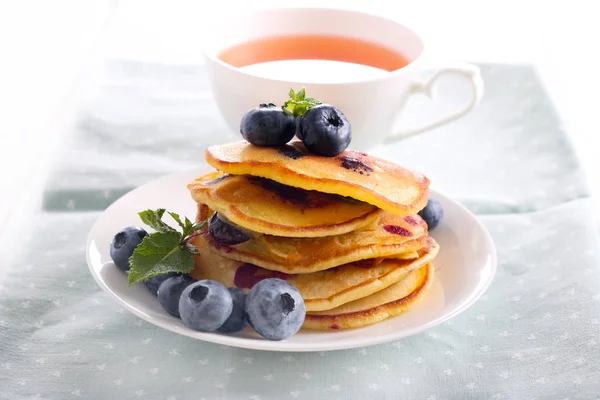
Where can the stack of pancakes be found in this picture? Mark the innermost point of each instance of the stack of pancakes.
(342, 229)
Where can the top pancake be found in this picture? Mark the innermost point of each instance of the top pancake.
(352, 174)
(265, 206)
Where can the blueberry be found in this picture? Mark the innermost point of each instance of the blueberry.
(154, 282)
(170, 291)
(123, 245)
(325, 130)
(225, 231)
(237, 320)
(275, 309)
(267, 125)
(298, 131)
(433, 214)
(205, 305)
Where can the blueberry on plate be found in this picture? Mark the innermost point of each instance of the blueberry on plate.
(275, 309)
(170, 291)
(124, 244)
(237, 320)
(267, 125)
(433, 214)
(154, 282)
(325, 130)
(225, 231)
(205, 305)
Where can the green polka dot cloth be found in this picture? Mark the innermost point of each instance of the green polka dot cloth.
(534, 335)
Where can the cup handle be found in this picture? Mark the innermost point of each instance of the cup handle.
(468, 70)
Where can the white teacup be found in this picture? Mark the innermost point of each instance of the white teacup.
(372, 99)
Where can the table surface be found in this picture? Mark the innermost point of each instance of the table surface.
(52, 63)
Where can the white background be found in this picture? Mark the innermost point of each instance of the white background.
(49, 51)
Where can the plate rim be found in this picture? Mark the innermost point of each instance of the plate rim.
(285, 346)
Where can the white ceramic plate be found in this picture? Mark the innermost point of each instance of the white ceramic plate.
(465, 267)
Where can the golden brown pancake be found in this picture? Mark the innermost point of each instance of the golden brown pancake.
(393, 234)
(202, 214)
(352, 174)
(265, 206)
(321, 290)
(391, 301)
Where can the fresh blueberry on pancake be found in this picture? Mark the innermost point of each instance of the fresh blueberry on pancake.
(267, 125)
(225, 232)
(325, 130)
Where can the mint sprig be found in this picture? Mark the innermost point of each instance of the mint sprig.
(166, 250)
(299, 104)
(153, 218)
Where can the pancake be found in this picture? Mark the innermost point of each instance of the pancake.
(352, 174)
(389, 302)
(265, 206)
(392, 235)
(202, 214)
(321, 290)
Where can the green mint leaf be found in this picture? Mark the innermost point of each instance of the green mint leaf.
(288, 107)
(199, 226)
(301, 95)
(177, 219)
(159, 253)
(300, 109)
(153, 218)
(189, 227)
(312, 101)
(298, 104)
